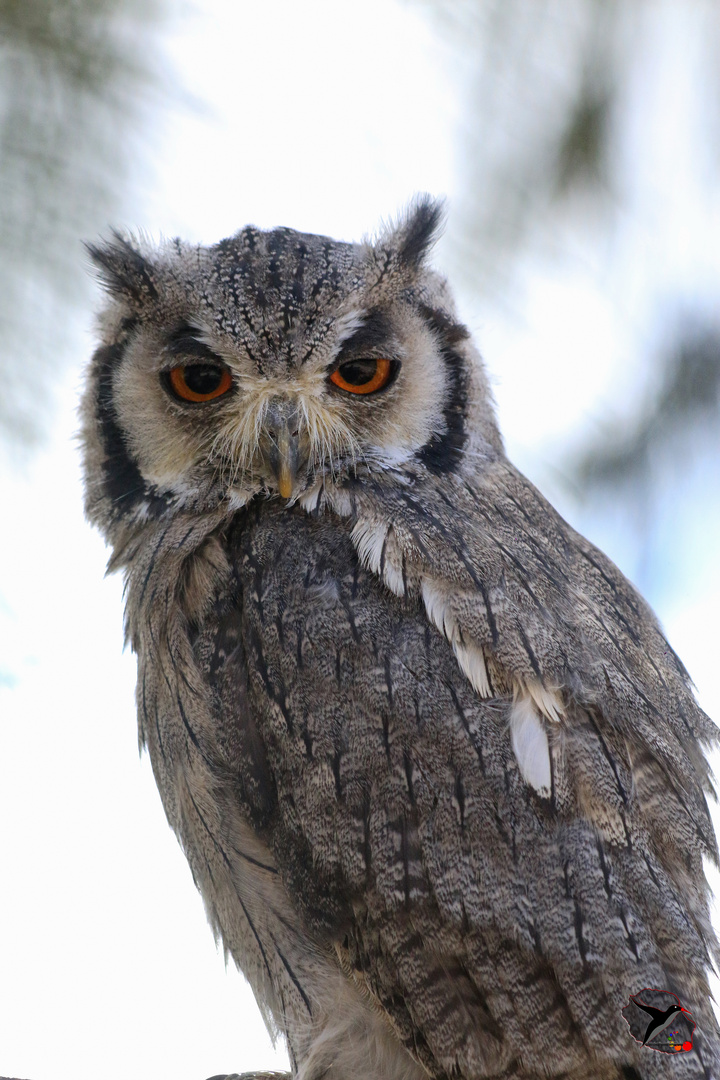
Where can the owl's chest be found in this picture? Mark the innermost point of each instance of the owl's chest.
(324, 686)
(319, 679)
(303, 651)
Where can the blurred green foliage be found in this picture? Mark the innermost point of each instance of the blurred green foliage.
(76, 77)
(540, 114)
(547, 142)
(686, 403)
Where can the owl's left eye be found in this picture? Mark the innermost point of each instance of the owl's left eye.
(199, 382)
(364, 376)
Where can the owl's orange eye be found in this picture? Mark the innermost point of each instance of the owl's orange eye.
(363, 376)
(199, 382)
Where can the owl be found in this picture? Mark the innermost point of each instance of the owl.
(438, 775)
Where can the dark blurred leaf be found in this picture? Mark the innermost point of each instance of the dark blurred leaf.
(581, 158)
(688, 399)
(542, 79)
(76, 78)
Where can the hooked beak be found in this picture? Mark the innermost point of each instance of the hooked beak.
(282, 450)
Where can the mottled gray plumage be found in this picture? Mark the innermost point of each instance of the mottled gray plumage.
(438, 775)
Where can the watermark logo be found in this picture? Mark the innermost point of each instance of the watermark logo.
(658, 1021)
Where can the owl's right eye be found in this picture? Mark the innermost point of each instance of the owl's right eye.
(198, 382)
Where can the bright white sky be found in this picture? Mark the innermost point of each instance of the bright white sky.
(107, 966)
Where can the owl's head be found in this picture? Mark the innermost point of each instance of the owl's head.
(275, 361)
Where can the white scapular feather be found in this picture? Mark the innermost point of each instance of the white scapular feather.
(394, 579)
(470, 658)
(548, 702)
(530, 743)
(310, 498)
(472, 663)
(369, 540)
(436, 607)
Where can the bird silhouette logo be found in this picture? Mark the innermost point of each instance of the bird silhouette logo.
(658, 1021)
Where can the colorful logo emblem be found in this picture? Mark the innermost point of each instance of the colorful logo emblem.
(658, 1021)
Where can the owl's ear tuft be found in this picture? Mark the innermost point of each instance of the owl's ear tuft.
(419, 230)
(123, 270)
